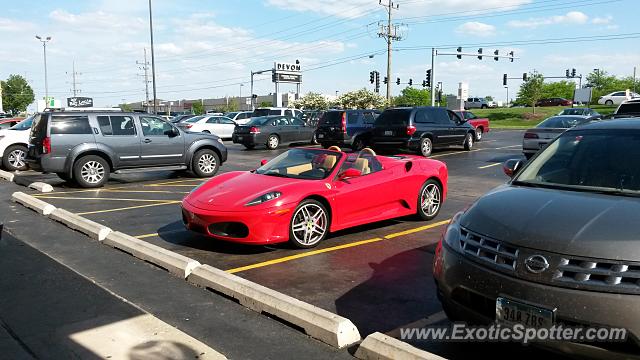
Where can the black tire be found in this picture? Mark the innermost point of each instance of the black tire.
(426, 147)
(14, 158)
(205, 163)
(298, 216)
(65, 176)
(314, 139)
(358, 144)
(273, 141)
(479, 134)
(250, 147)
(483, 106)
(91, 171)
(431, 193)
(468, 141)
(608, 102)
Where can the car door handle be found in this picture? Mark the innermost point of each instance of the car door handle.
(146, 141)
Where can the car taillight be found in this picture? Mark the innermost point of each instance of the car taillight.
(411, 130)
(254, 130)
(188, 126)
(46, 145)
(344, 122)
(529, 135)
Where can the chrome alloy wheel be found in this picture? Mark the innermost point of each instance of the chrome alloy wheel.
(92, 172)
(426, 148)
(207, 163)
(309, 224)
(430, 199)
(16, 158)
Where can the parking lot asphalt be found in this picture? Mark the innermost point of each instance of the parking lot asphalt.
(378, 276)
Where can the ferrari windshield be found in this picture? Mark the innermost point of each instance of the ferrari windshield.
(312, 164)
(588, 160)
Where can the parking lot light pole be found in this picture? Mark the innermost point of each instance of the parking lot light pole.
(506, 87)
(240, 98)
(253, 107)
(153, 61)
(46, 82)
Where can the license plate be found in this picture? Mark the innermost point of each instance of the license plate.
(513, 312)
(320, 136)
(239, 138)
(388, 133)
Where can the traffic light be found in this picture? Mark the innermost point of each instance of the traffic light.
(377, 81)
(524, 77)
(424, 83)
(386, 80)
(496, 55)
(504, 79)
(567, 73)
(511, 54)
(410, 82)
(480, 54)
(459, 56)
(398, 81)
(428, 78)
(573, 72)
(372, 77)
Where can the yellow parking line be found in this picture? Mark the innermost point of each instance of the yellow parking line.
(488, 166)
(172, 185)
(508, 147)
(78, 191)
(156, 234)
(96, 198)
(148, 191)
(334, 248)
(128, 208)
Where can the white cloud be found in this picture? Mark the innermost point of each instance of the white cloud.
(572, 17)
(602, 20)
(9, 25)
(475, 28)
(98, 21)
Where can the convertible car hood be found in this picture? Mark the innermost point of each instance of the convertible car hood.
(566, 222)
(231, 191)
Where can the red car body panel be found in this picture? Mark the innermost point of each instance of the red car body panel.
(477, 122)
(389, 193)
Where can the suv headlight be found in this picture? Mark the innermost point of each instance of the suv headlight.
(451, 235)
(264, 198)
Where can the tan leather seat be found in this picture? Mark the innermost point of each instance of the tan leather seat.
(329, 162)
(362, 165)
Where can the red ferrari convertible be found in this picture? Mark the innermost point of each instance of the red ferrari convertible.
(305, 193)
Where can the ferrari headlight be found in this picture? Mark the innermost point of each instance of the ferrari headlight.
(264, 198)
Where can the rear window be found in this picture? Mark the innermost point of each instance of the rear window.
(563, 122)
(117, 125)
(39, 128)
(257, 121)
(352, 118)
(393, 117)
(75, 124)
(629, 108)
(331, 118)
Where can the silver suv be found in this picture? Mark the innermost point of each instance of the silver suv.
(479, 103)
(86, 146)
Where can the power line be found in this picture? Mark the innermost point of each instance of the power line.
(390, 33)
(74, 81)
(144, 66)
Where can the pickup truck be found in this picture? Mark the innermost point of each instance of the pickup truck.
(480, 124)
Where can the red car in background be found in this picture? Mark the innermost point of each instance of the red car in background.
(9, 122)
(554, 102)
(305, 193)
(480, 124)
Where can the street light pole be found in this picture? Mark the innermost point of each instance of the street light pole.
(46, 82)
(153, 60)
(240, 98)
(506, 87)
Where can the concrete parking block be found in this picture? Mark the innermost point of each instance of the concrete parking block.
(32, 203)
(91, 228)
(318, 323)
(173, 262)
(6, 175)
(378, 346)
(42, 187)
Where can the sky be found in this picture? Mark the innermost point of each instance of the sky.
(208, 48)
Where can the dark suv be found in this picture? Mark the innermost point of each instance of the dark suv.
(86, 146)
(421, 129)
(346, 127)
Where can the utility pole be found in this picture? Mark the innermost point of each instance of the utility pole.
(390, 34)
(153, 61)
(145, 67)
(74, 80)
(634, 79)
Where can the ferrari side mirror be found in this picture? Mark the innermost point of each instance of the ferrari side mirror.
(263, 162)
(349, 173)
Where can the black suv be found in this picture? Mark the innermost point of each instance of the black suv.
(421, 129)
(87, 145)
(346, 127)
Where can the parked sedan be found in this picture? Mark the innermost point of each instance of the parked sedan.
(616, 98)
(218, 125)
(557, 245)
(554, 102)
(272, 131)
(13, 145)
(180, 118)
(536, 138)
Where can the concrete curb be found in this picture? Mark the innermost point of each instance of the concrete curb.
(378, 346)
(42, 187)
(6, 175)
(176, 264)
(318, 323)
(32, 203)
(85, 226)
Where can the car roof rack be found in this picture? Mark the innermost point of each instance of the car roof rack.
(86, 109)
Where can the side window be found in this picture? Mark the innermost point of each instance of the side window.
(368, 118)
(288, 113)
(453, 117)
(76, 124)
(441, 116)
(212, 121)
(283, 122)
(422, 116)
(275, 112)
(154, 127)
(226, 121)
(620, 93)
(297, 122)
(105, 125)
(352, 118)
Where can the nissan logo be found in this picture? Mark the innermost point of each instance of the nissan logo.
(536, 264)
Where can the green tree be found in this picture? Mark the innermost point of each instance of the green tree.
(266, 104)
(531, 90)
(16, 94)
(312, 101)
(126, 107)
(197, 108)
(360, 99)
(411, 96)
(488, 98)
(603, 83)
(563, 89)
